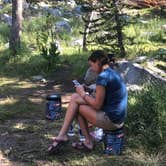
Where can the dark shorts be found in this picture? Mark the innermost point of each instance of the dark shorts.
(103, 121)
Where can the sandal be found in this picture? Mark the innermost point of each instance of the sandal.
(81, 146)
(52, 149)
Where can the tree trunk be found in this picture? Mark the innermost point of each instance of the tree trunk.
(119, 31)
(16, 27)
(86, 30)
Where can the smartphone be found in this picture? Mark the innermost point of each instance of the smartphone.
(76, 83)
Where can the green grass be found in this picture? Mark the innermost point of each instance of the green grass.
(145, 38)
(147, 108)
(4, 33)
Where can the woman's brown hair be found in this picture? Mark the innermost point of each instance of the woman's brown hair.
(99, 55)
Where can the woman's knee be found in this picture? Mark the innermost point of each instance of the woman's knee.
(74, 96)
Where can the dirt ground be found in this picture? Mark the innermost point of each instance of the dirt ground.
(24, 139)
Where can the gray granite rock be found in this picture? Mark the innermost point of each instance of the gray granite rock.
(63, 25)
(133, 73)
(7, 19)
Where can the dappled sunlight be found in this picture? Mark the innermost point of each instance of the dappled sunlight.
(4, 161)
(20, 126)
(25, 84)
(8, 101)
(35, 100)
(5, 80)
(132, 101)
(49, 136)
(12, 86)
(145, 158)
(16, 83)
(57, 87)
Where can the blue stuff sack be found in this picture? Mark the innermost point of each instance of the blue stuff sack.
(113, 142)
(53, 107)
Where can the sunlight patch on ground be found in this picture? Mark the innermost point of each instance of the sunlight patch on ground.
(25, 84)
(5, 80)
(49, 136)
(16, 83)
(57, 87)
(35, 100)
(4, 161)
(19, 126)
(8, 101)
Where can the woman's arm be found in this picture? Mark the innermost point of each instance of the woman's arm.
(97, 101)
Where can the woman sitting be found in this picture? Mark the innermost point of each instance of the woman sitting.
(106, 110)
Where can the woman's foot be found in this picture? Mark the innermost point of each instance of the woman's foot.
(83, 146)
(61, 138)
(58, 143)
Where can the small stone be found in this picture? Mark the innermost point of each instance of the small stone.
(37, 78)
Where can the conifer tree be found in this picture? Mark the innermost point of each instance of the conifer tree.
(104, 25)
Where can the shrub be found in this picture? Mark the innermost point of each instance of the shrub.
(160, 54)
(46, 42)
(51, 54)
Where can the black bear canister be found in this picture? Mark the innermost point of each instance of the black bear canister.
(53, 106)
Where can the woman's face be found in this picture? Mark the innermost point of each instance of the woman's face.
(95, 66)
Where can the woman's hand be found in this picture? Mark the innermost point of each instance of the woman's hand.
(80, 90)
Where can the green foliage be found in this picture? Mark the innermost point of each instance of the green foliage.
(50, 53)
(46, 41)
(4, 33)
(35, 24)
(161, 54)
(144, 37)
(80, 64)
(106, 28)
(6, 9)
(24, 65)
(159, 37)
(147, 115)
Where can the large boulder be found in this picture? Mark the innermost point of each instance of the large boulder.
(133, 73)
(7, 1)
(7, 19)
(54, 12)
(61, 26)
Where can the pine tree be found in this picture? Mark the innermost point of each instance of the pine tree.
(103, 25)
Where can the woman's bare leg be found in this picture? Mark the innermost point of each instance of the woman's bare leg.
(86, 113)
(85, 130)
(76, 104)
(70, 115)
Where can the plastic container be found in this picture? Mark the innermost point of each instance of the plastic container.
(113, 142)
(53, 106)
